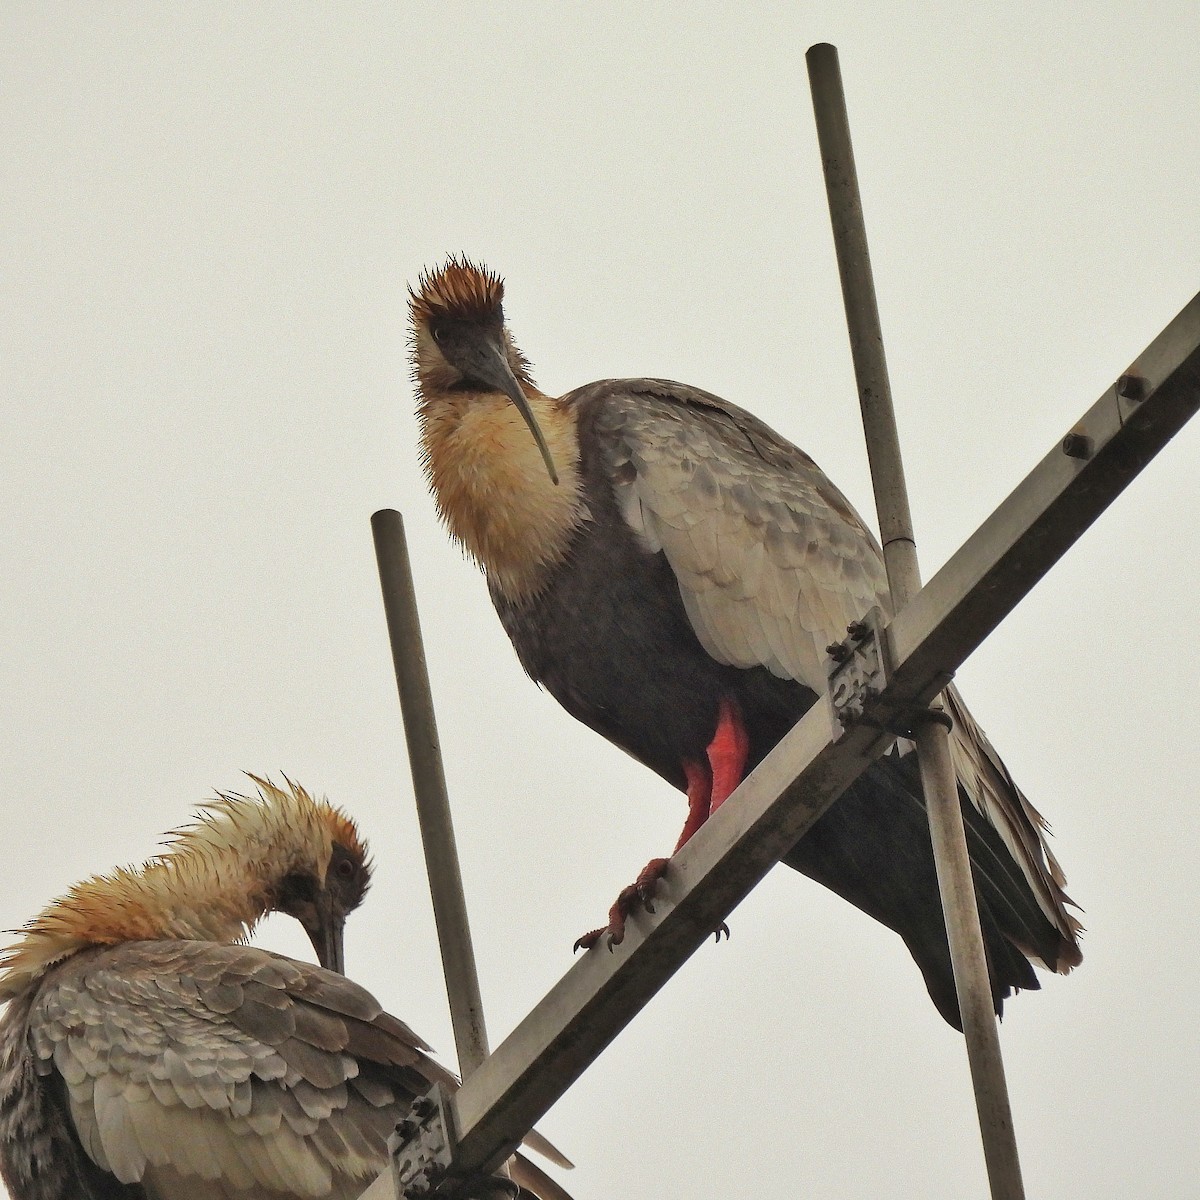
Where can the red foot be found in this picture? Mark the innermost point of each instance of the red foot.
(708, 787)
(641, 891)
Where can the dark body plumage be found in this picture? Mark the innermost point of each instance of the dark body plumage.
(608, 636)
(693, 562)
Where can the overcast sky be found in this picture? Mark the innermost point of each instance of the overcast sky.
(209, 215)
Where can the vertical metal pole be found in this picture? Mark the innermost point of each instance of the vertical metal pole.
(904, 581)
(429, 785)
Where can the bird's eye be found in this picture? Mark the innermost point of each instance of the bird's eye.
(438, 332)
(344, 869)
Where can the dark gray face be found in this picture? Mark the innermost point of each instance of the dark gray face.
(472, 346)
(322, 911)
(477, 349)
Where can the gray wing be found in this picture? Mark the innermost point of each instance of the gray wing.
(773, 563)
(214, 1071)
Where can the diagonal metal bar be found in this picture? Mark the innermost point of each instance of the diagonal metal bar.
(803, 775)
(603, 991)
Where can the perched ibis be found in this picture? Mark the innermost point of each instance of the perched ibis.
(147, 1053)
(672, 570)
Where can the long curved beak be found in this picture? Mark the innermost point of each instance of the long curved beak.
(490, 364)
(326, 935)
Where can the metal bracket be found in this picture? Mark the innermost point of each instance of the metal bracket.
(857, 668)
(422, 1146)
(422, 1153)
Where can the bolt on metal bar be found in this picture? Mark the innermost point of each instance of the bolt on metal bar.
(980, 585)
(429, 786)
(904, 581)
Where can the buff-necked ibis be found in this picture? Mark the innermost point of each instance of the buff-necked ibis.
(148, 1054)
(672, 570)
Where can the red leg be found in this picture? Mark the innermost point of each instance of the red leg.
(699, 794)
(727, 753)
(706, 792)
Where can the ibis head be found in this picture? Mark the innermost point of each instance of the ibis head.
(461, 344)
(280, 850)
(320, 899)
(512, 500)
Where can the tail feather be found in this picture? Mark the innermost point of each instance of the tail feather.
(547, 1149)
(873, 848)
(534, 1182)
(1004, 810)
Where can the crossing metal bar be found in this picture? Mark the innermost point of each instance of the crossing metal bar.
(800, 778)
(938, 780)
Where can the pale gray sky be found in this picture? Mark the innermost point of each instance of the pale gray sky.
(209, 214)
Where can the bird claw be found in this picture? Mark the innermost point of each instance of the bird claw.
(646, 883)
(614, 932)
(641, 891)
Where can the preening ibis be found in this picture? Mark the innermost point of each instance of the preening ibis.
(672, 570)
(146, 1053)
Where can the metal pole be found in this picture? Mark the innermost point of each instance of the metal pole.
(904, 581)
(429, 785)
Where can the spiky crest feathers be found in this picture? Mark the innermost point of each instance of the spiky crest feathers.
(216, 878)
(458, 289)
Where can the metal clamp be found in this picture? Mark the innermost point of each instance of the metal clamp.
(422, 1146)
(857, 668)
(422, 1153)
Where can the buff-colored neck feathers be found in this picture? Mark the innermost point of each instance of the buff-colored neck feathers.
(486, 472)
(215, 881)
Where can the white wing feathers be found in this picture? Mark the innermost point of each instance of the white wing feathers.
(772, 561)
(165, 1087)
